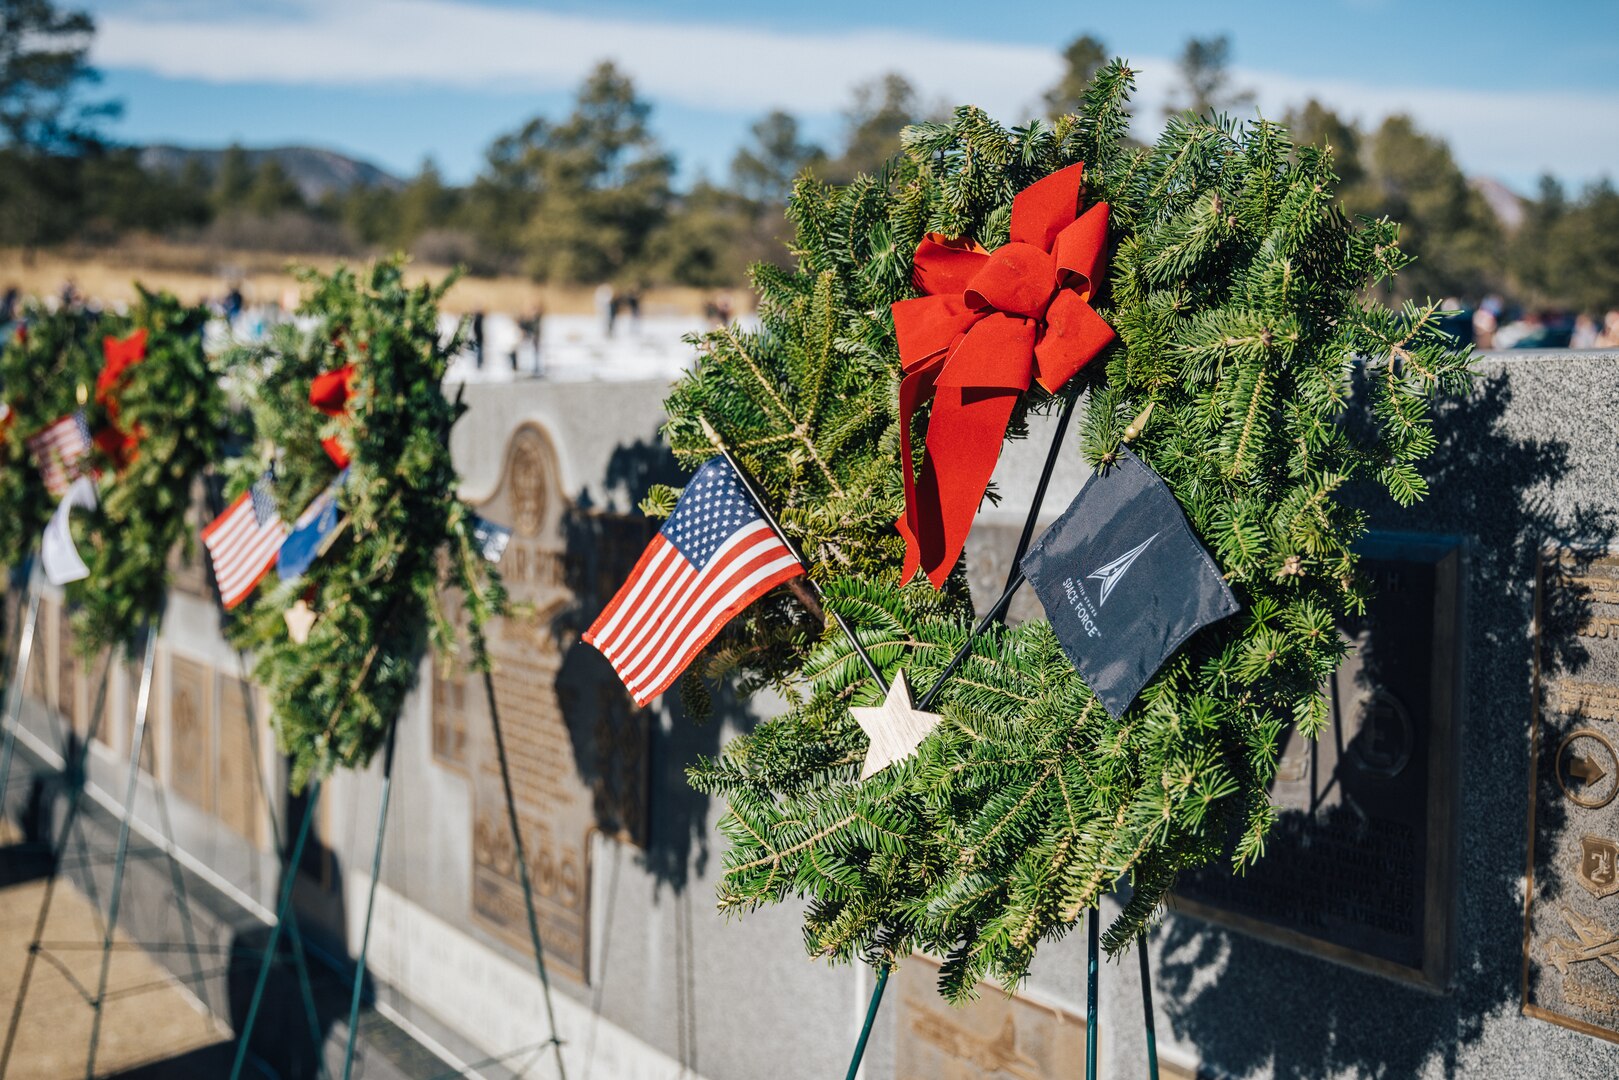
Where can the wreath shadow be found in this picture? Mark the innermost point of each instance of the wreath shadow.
(633, 759)
(1247, 1006)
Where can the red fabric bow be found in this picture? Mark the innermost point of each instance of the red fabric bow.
(991, 323)
(330, 394)
(120, 355)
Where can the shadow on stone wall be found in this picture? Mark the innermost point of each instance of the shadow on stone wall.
(609, 733)
(1248, 1007)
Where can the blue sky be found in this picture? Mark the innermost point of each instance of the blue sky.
(1516, 92)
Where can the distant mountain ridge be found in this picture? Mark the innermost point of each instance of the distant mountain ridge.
(316, 172)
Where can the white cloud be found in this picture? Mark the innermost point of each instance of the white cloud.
(468, 45)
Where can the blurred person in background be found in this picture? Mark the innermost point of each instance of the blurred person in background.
(1486, 319)
(1585, 333)
(607, 306)
(1609, 338)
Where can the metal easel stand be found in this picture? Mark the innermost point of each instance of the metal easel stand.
(300, 961)
(555, 1039)
(371, 900)
(17, 688)
(283, 908)
(286, 917)
(75, 760)
(994, 615)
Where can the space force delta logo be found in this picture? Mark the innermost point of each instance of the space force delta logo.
(1109, 577)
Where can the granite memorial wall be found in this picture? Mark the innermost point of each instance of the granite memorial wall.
(1440, 894)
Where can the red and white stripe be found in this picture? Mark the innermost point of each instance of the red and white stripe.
(669, 609)
(57, 450)
(242, 550)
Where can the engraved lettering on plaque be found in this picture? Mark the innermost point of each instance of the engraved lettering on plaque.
(238, 795)
(450, 698)
(577, 758)
(1571, 908)
(191, 717)
(1359, 868)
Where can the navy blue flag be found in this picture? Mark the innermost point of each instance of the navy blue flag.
(314, 530)
(1124, 580)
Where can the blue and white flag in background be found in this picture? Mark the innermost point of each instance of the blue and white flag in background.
(315, 528)
(490, 538)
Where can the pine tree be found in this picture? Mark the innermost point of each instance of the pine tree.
(1239, 294)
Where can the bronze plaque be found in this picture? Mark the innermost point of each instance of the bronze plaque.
(994, 1038)
(1571, 908)
(577, 766)
(1360, 868)
(239, 798)
(191, 726)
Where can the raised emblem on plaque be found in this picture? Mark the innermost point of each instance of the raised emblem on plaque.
(578, 754)
(1571, 906)
(1360, 866)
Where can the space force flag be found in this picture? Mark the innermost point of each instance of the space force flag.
(314, 530)
(714, 556)
(1124, 580)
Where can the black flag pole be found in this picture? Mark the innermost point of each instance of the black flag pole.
(806, 590)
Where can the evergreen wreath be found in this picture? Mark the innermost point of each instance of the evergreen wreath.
(171, 413)
(1241, 299)
(49, 358)
(375, 590)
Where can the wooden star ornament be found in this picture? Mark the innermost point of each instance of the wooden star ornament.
(896, 727)
(300, 618)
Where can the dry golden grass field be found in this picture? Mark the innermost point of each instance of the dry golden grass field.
(197, 273)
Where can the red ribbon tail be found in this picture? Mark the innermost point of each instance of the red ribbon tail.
(964, 442)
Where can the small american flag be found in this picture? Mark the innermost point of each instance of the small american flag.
(243, 542)
(58, 450)
(711, 559)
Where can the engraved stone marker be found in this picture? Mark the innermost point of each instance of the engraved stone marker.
(577, 752)
(994, 1038)
(1360, 867)
(1571, 911)
(191, 723)
(239, 797)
